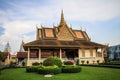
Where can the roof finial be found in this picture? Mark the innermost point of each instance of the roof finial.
(70, 26)
(21, 47)
(81, 28)
(7, 48)
(36, 26)
(62, 18)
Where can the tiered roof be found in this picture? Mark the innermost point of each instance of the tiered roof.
(44, 33)
(61, 36)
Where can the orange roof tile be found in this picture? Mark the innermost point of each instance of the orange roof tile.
(86, 36)
(49, 33)
(79, 34)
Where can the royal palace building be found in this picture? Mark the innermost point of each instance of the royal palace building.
(64, 42)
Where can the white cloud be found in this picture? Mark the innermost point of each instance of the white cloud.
(91, 10)
(22, 19)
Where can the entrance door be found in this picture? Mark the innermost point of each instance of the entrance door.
(71, 54)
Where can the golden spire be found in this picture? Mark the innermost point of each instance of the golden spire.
(21, 47)
(62, 22)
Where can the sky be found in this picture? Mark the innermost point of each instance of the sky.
(18, 19)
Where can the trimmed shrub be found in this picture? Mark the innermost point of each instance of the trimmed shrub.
(35, 63)
(48, 63)
(71, 69)
(49, 70)
(32, 68)
(98, 61)
(12, 65)
(82, 62)
(68, 63)
(87, 62)
(53, 59)
(23, 63)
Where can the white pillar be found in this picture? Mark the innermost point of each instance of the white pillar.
(39, 54)
(83, 52)
(103, 52)
(8, 59)
(91, 52)
(79, 52)
(28, 57)
(60, 53)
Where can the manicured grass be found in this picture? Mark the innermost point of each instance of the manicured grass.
(87, 73)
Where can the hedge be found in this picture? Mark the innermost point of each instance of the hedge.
(68, 63)
(36, 64)
(49, 70)
(71, 69)
(105, 66)
(53, 59)
(32, 68)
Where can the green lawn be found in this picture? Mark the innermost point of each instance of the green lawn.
(87, 73)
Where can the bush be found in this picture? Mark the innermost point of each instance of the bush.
(49, 70)
(35, 64)
(53, 59)
(32, 68)
(87, 62)
(98, 61)
(12, 65)
(68, 63)
(71, 69)
(23, 63)
(82, 62)
(48, 63)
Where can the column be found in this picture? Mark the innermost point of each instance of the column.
(28, 57)
(91, 52)
(8, 59)
(60, 53)
(103, 52)
(79, 55)
(91, 55)
(83, 52)
(96, 55)
(39, 54)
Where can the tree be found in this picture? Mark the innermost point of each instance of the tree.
(1, 56)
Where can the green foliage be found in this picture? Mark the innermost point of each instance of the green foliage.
(71, 69)
(12, 65)
(53, 59)
(87, 62)
(32, 68)
(36, 63)
(1, 56)
(68, 63)
(23, 63)
(49, 70)
(98, 61)
(48, 63)
(87, 73)
(82, 62)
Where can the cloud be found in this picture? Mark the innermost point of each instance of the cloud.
(91, 10)
(19, 18)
